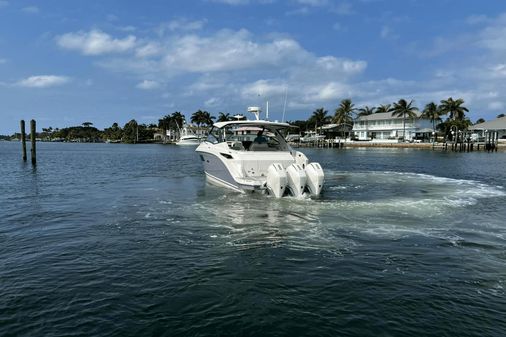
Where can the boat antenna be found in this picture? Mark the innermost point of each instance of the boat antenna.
(284, 105)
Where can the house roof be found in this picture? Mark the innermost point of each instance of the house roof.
(496, 124)
(381, 116)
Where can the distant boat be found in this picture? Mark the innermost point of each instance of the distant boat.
(188, 137)
(311, 136)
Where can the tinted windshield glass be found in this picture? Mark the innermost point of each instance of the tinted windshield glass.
(249, 137)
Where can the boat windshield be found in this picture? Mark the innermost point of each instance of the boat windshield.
(249, 137)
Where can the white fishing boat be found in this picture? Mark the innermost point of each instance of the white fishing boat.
(252, 155)
(188, 137)
(311, 136)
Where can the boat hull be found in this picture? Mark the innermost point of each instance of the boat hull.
(217, 173)
(189, 141)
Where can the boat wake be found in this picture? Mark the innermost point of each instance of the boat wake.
(387, 204)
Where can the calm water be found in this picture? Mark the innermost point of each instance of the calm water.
(119, 240)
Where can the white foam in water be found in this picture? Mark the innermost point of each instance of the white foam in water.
(384, 204)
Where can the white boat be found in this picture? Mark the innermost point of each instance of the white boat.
(311, 136)
(188, 137)
(252, 155)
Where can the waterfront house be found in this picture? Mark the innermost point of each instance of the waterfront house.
(497, 125)
(384, 126)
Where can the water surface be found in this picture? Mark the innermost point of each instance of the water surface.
(129, 240)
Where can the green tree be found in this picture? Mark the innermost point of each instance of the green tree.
(207, 118)
(113, 133)
(318, 118)
(454, 108)
(343, 113)
(130, 132)
(479, 121)
(87, 124)
(223, 117)
(178, 120)
(366, 111)
(202, 118)
(385, 108)
(164, 123)
(500, 115)
(197, 117)
(431, 112)
(402, 109)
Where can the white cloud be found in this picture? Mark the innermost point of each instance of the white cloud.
(213, 102)
(184, 25)
(128, 29)
(343, 8)
(264, 88)
(477, 19)
(228, 50)
(232, 2)
(3, 61)
(339, 27)
(95, 42)
(43, 81)
(148, 50)
(388, 34)
(496, 105)
(233, 67)
(31, 9)
(315, 3)
(332, 91)
(148, 85)
(493, 37)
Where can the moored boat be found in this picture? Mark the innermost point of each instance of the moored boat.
(188, 137)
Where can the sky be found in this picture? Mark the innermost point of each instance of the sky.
(63, 62)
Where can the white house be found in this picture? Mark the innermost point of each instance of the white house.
(497, 125)
(384, 126)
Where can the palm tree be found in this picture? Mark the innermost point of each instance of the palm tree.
(319, 117)
(202, 117)
(384, 108)
(403, 108)
(454, 108)
(207, 119)
(223, 117)
(366, 111)
(343, 113)
(178, 119)
(197, 117)
(164, 124)
(431, 112)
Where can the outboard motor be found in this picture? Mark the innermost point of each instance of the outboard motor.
(315, 178)
(301, 159)
(276, 180)
(296, 179)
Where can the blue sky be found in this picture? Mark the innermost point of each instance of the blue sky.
(67, 62)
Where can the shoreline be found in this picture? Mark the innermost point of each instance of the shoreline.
(436, 146)
(501, 146)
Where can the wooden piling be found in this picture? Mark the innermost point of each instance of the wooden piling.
(23, 139)
(33, 141)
